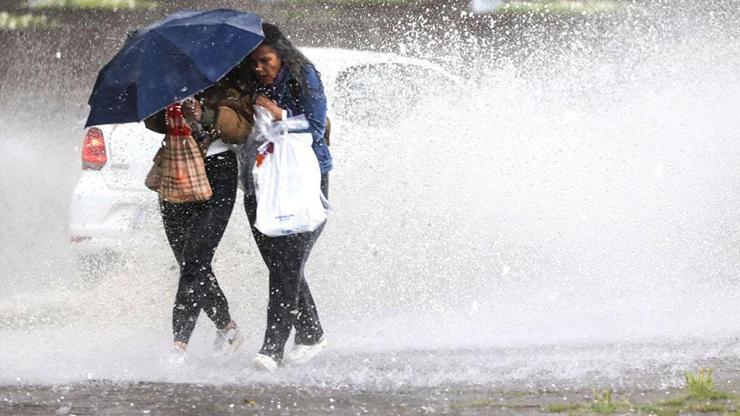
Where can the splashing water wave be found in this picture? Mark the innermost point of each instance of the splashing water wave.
(581, 202)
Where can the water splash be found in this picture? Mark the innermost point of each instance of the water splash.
(576, 190)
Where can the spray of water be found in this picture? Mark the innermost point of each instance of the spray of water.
(569, 194)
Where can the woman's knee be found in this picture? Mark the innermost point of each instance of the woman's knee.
(195, 272)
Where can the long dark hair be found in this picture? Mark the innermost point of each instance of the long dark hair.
(292, 59)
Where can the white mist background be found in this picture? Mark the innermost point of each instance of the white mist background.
(583, 199)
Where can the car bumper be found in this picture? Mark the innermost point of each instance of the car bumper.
(104, 220)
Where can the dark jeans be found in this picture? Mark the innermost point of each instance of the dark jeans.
(290, 303)
(194, 230)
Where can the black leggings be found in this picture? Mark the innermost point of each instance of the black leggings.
(194, 230)
(290, 303)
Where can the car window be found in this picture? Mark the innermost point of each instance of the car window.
(374, 93)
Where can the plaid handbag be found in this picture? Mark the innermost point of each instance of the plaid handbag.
(183, 171)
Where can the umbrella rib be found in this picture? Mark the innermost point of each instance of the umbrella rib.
(174, 22)
(179, 21)
(195, 67)
(184, 20)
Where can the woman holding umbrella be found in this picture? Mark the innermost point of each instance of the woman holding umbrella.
(287, 84)
(194, 229)
(164, 63)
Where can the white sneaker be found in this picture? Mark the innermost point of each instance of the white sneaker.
(227, 342)
(301, 354)
(177, 355)
(264, 362)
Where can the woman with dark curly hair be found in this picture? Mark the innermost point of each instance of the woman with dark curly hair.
(287, 85)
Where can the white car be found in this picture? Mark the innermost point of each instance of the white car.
(110, 206)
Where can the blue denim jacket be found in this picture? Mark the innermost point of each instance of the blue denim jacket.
(311, 102)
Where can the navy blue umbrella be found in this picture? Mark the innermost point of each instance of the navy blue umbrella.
(174, 58)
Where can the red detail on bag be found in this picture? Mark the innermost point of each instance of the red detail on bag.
(174, 112)
(262, 155)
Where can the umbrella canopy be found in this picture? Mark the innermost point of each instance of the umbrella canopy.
(174, 58)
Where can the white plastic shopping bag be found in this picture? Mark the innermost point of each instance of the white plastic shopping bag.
(287, 178)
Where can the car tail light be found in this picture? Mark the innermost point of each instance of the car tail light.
(93, 150)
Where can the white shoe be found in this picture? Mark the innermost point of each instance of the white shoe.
(264, 362)
(227, 342)
(301, 354)
(177, 355)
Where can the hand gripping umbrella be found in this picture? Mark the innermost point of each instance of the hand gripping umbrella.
(174, 58)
